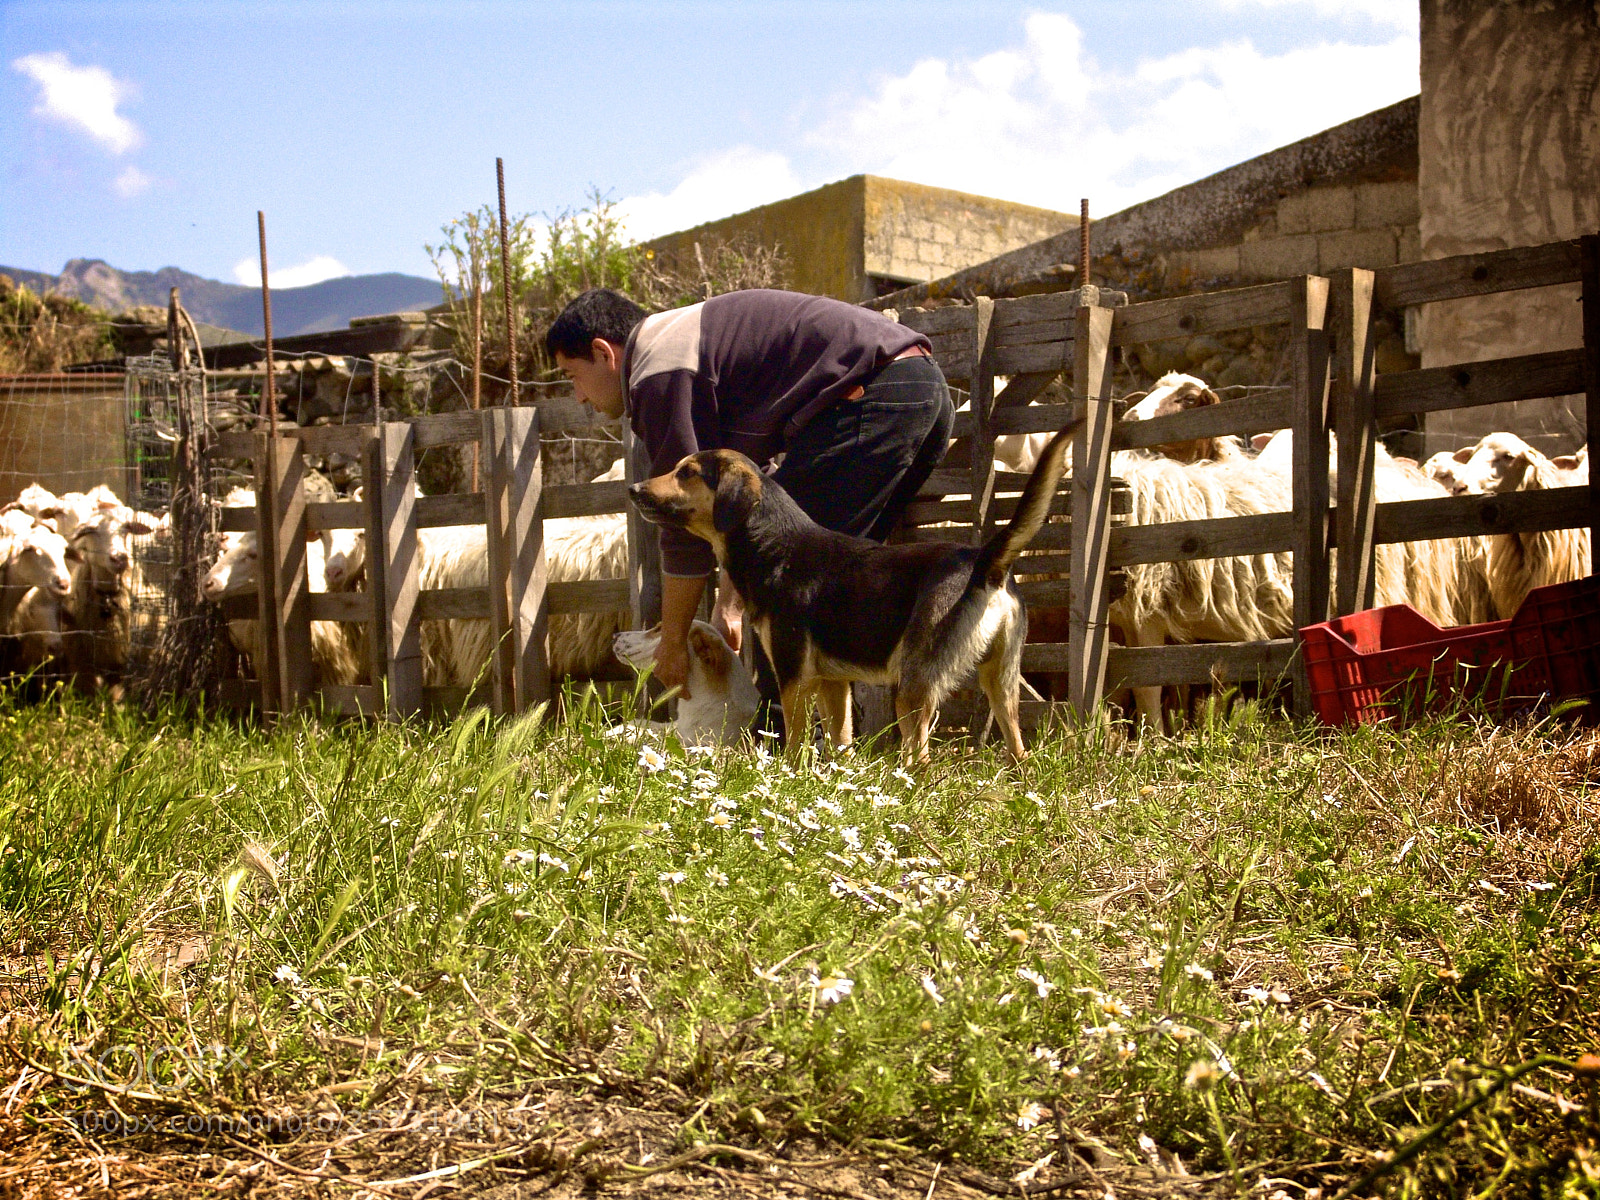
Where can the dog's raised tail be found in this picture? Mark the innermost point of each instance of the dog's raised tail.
(1000, 551)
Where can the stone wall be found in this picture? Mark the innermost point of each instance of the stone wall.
(1510, 156)
(1315, 231)
(843, 239)
(915, 233)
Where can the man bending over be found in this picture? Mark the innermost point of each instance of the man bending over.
(852, 401)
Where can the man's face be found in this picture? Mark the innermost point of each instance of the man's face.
(598, 380)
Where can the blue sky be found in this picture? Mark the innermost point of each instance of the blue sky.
(149, 134)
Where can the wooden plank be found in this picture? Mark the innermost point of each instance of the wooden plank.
(1046, 358)
(946, 482)
(450, 702)
(1350, 329)
(982, 403)
(1024, 389)
(446, 429)
(1589, 247)
(1244, 416)
(397, 584)
(1188, 316)
(1046, 593)
(957, 366)
(528, 575)
(1153, 666)
(1470, 516)
(461, 508)
(350, 699)
(588, 596)
(1477, 274)
(950, 319)
(1034, 333)
(961, 427)
(1308, 348)
(585, 499)
(1184, 541)
(453, 604)
(1232, 662)
(1472, 385)
(1090, 532)
(938, 512)
(1035, 418)
(340, 606)
(336, 514)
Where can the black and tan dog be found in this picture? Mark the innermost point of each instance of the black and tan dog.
(831, 609)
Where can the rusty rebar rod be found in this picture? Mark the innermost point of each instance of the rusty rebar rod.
(269, 400)
(1083, 241)
(505, 278)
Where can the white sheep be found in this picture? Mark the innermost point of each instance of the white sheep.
(1520, 562)
(337, 647)
(33, 557)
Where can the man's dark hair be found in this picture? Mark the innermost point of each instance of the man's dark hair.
(597, 313)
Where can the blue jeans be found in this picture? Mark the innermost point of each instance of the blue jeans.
(857, 464)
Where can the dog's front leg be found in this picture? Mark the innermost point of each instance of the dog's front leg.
(914, 711)
(834, 697)
(796, 699)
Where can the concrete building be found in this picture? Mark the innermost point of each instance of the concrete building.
(1509, 141)
(866, 235)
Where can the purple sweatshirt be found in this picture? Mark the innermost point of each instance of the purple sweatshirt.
(745, 371)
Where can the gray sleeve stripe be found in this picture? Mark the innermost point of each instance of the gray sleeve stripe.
(668, 341)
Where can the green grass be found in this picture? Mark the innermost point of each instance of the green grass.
(1268, 950)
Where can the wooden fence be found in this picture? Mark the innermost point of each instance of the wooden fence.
(512, 508)
(1034, 339)
(1076, 560)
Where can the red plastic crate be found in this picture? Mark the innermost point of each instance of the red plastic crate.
(1386, 662)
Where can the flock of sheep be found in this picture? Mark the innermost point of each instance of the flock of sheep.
(1458, 581)
(67, 582)
(68, 574)
(455, 653)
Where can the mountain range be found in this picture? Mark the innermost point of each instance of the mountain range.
(320, 306)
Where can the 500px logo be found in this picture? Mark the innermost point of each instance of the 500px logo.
(154, 1069)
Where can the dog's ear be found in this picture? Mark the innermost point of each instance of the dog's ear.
(710, 650)
(737, 491)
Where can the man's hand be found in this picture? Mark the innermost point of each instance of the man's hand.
(672, 664)
(680, 599)
(727, 616)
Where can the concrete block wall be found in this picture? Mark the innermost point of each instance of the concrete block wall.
(1314, 231)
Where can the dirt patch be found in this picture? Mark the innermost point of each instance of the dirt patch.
(554, 1142)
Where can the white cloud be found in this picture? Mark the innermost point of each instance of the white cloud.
(248, 271)
(83, 97)
(132, 182)
(1397, 14)
(1044, 123)
(730, 182)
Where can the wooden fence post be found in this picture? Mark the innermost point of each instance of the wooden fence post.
(982, 408)
(527, 578)
(1088, 630)
(1349, 327)
(1589, 260)
(287, 672)
(644, 550)
(1308, 307)
(395, 588)
(496, 479)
